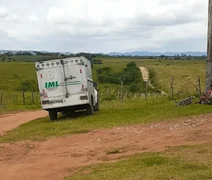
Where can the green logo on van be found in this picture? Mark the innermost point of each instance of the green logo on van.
(51, 85)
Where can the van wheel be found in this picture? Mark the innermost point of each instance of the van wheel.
(53, 114)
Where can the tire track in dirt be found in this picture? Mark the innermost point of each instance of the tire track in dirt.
(58, 157)
(11, 121)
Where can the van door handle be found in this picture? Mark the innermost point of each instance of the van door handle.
(71, 77)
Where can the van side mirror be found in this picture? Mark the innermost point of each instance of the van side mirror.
(95, 84)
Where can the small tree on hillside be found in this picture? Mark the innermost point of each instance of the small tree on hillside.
(25, 86)
(34, 88)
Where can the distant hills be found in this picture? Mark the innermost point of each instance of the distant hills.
(134, 53)
(146, 53)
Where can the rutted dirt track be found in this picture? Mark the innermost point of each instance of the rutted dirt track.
(58, 157)
(12, 121)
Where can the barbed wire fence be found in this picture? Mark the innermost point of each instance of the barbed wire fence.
(105, 94)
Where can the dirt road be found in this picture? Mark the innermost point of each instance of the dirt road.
(145, 74)
(58, 157)
(12, 121)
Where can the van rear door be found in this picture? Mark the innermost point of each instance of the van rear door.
(73, 79)
(49, 80)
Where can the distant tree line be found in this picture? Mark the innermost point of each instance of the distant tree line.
(42, 55)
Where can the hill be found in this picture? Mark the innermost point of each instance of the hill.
(133, 53)
(146, 53)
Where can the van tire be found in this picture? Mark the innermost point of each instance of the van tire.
(53, 114)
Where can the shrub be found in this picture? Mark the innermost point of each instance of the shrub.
(99, 71)
(152, 77)
(108, 79)
(134, 88)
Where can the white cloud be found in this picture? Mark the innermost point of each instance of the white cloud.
(121, 14)
(109, 25)
(15, 16)
(3, 12)
(32, 17)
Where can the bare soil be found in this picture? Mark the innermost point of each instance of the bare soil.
(58, 157)
(11, 121)
(145, 73)
(145, 76)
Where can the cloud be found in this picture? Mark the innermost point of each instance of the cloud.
(15, 16)
(112, 16)
(32, 17)
(3, 12)
(106, 25)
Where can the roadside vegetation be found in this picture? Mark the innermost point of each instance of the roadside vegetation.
(111, 114)
(181, 163)
(13, 73)
(18, 90)
(130, 76)
(107, 72)
(25, 58)
(184, 72)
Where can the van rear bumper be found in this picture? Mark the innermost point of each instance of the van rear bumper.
(62, 102)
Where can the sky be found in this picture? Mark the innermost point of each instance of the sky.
(104, 25)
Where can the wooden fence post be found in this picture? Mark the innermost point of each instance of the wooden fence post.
(33, 98)
(13, 96)
(108, 92)
(118, 94)
(23, 98)
(1, 99)
(146, 91)
(172, 86)
(125, 95)
(16, 98)
(122, 84)
(199, 86)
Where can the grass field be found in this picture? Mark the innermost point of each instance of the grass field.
(185, 73)
(12, 102)
(113, 113)
(181, 163)
(12, 73)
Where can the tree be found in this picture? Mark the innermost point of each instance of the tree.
(3, 58)
(33, 88)
(27, 85)
(131, 64)
(107, 70)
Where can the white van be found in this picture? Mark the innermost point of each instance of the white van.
(67, 85)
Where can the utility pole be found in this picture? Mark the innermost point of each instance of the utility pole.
(209, 48)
